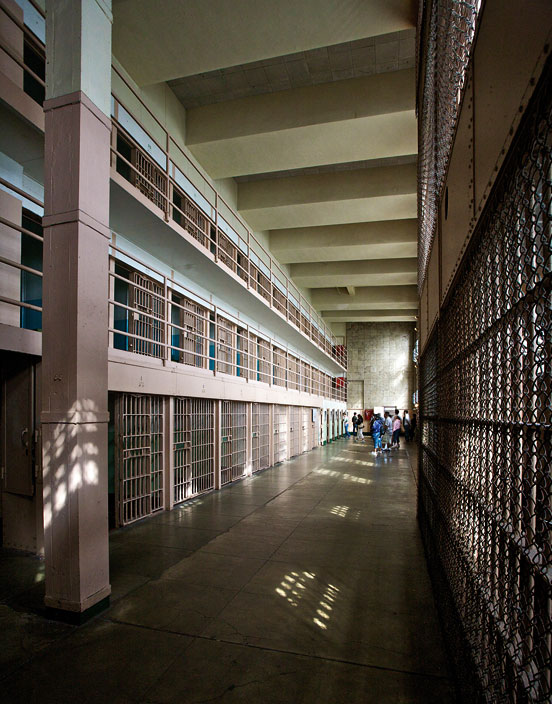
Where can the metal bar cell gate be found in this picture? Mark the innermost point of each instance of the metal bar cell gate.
(260, 446)
(306, 422)
(233, 451)
(295, 431)
(193, 447)
(139, 434)
(280, 434)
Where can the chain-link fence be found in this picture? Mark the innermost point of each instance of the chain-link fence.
(450, 28)
(485, 497)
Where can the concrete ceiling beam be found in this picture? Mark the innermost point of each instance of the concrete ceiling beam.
(367, 316)
(168, 39)
(367, 96)
(361, 195)
(366, 298)
(360, 240)
(319, 143)
(381, 272)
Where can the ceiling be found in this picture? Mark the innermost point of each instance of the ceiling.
(309, 105)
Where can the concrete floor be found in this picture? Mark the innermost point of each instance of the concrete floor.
(306, 583)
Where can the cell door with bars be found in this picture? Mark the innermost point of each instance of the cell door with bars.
(280, 425)
(149, 178)
(148, 314)
(314, 431)
(226, 343)
(295, 417)
(306, 423)
(188, 336)
(193, 447)
(260, 436)
(263, 360)
(140, 457)
(233, 451)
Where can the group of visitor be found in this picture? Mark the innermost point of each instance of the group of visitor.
(385, 432)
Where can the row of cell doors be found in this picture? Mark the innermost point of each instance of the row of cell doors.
(208, 447)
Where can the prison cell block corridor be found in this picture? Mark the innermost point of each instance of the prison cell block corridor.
(303, 583)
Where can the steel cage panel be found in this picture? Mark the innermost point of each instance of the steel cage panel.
(485, 491)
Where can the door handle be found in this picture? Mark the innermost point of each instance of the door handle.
(24, 436)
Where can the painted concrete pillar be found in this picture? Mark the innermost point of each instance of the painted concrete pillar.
(74, 341)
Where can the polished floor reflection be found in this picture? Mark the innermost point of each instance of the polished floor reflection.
(306, 583)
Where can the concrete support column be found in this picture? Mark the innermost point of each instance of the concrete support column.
(74, 341)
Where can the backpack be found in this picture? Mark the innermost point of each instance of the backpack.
(377, 427)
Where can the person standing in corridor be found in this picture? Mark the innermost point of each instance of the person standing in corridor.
(360, 425)
(346, 424)
(396, 432)
(386, 439)
(406, 426)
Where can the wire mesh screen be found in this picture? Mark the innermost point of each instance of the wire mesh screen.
(450, 32)
(485, 496)
(260, 445)
(193, 447)
(140, 456)
(233, 449)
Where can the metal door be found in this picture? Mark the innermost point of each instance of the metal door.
(233, 441)
(314, 433)
(193, 447)
(280, 434)
(139, 456)
(18, 425)
(260, 431)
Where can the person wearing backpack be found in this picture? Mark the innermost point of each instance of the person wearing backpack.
(378, 428)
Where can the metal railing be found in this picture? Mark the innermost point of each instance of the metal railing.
(485, 492)
(186, 198)
(450, 32)
(31, 59)
(164, 174)
(153, 315)
(21, 271)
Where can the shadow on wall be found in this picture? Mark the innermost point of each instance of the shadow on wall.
(70, 459)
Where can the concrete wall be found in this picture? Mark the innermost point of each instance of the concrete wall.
(381, 370)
